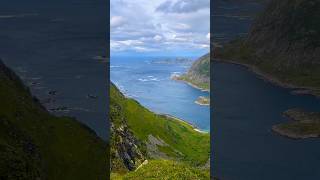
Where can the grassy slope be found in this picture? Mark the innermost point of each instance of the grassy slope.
(179, 135)
(34, 143)
(199, 73)
(165, 169)
(194, 146)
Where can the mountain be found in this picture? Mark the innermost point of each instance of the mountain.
(37, 145)
(283, 44)
(199, 73)
(142, 140)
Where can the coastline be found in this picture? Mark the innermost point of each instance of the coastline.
(278, 130)
(188, 123)
(201, 104)
(176, 78)
(166, 115)
(296, 90)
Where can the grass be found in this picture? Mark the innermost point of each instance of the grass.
(165, 169)
(179, 135)
(35, 144)
(198, 84)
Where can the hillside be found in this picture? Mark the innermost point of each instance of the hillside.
(37, 145)
(139, 136)
(199, 73)
(283, 44)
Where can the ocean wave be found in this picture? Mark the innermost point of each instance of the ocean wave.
(148, 79)
(115, 66)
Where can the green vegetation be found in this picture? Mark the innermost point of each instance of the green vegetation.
(174, 139)
(199, 73)
(37, 145)
(166, 169)
(302, 125)
(179, 135)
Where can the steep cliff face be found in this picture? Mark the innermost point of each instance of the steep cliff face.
(37, 145)
(199, 73)
(125, 150)
(284, 43)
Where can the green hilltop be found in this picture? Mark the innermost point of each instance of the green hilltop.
(37, 145)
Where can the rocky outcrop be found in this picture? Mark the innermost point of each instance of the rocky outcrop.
(126, 150)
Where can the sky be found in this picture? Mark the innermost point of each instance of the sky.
(160, 27)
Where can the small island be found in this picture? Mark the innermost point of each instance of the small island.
(302, 124)
(203, 101)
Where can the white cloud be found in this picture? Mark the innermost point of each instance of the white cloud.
(181, 26)
(183, 6)
(142, 27)
(157, 38)
(116, 21)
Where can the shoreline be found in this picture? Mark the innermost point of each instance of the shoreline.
(183, 121)
(295, 90)
(291, 135)
(175, 78)
(167, 115)
(201, 104)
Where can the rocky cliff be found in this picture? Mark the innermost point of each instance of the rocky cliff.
(125, 150)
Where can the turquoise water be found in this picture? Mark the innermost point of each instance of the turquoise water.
(147, 79)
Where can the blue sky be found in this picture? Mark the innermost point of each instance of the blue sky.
(160, 27)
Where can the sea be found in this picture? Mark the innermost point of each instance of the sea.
(148, 80)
